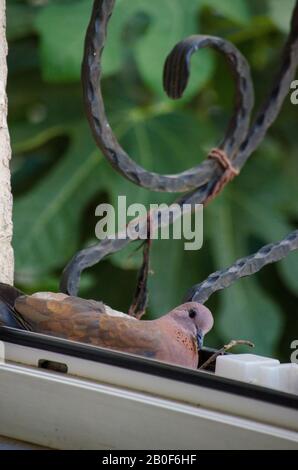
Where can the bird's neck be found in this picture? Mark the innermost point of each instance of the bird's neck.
(183, 324)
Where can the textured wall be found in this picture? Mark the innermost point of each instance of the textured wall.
(6, 252)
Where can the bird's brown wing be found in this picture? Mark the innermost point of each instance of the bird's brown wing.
(85, 321)
(60, 315)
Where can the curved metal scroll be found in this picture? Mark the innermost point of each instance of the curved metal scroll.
(242, 268)
(238, 144)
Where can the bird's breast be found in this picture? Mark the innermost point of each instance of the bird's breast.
(187, 341)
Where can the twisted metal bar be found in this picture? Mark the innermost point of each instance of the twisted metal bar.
(238, 143)
(176, 69)
(70, 279)
(177, 72)
(242, 268)
(280, 90)
(265, 117)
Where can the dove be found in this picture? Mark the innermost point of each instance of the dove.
(174, 338)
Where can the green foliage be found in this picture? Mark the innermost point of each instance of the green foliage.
(164, 24)
(59, 177)
(236, 10)
(280, 12)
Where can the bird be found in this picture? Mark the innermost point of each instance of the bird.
(175, 338)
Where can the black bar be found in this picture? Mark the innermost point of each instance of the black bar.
(150, 458)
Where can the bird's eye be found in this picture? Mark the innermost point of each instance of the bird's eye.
(192, 313)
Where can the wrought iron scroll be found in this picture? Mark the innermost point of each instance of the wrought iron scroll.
(242, 268)
(204, 181)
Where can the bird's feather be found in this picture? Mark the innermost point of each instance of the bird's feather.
(8, 315)
(171, 338)
(86, 321)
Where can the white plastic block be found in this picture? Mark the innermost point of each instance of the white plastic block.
(268, 376)
(244, 367)
(283, 377)
(288, 378)
(259, 370)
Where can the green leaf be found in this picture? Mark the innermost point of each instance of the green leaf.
(288, 268)
(20, 20)
(174, 271)
(235, 10)
(62, 52)
(37, 116)
(261, 205)
(281, 13)
(169, 22)
(47, 220)
(261, 218)
(157, 143)
(70, 24)
(246, 312)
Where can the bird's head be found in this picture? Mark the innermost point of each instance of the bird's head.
(195, 318)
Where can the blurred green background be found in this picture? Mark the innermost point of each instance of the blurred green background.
(59, 177)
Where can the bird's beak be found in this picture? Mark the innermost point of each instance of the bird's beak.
(200, 338)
